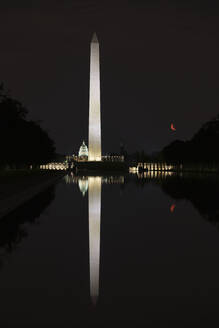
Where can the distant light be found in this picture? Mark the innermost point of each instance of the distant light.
(172, 127)
(172, 208)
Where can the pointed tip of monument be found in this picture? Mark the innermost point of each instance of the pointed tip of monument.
(94, 38)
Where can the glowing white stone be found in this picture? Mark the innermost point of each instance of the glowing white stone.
(83, 150)
(94, 194)
(94, 104)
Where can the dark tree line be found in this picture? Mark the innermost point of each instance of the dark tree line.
(202, 148)
(137, 156)
(23, 142)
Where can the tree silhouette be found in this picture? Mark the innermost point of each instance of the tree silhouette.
(22, 142)
(202, 148)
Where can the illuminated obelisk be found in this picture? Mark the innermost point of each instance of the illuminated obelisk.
(94, 195)
(94, 103)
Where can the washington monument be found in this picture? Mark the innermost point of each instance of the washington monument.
(94, 103)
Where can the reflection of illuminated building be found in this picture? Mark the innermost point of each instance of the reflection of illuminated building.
(83, 180)
(94, 234)
(93, 184)
(83, 185)
(113, 179)
(154, 174)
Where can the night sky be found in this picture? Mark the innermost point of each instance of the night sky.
(159, 64)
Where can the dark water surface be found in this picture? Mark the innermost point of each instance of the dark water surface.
(152, 259)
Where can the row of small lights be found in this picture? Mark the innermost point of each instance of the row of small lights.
(153, 167)
(54, 166)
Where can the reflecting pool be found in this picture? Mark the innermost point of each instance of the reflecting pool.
(139, 250)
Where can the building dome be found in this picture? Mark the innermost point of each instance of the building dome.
(83, 151)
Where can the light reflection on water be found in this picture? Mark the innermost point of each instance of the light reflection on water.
(152, 258)
(93, 186)
(94, 234)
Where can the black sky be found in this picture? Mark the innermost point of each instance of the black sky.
(159, 64)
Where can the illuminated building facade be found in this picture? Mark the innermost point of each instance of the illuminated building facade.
(83, 152)
(94, 103)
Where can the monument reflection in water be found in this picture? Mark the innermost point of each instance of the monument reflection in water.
(173, 185)
(94, 199)
(93, 185)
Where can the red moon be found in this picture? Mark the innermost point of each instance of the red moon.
(172, 127)
(172, 208)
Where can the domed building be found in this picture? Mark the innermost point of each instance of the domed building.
(83, 152)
